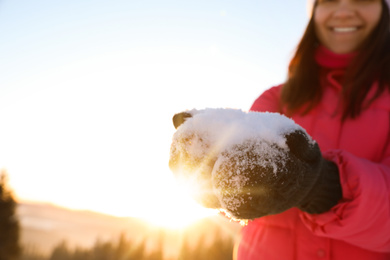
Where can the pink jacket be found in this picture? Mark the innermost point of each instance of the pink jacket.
(359, 226)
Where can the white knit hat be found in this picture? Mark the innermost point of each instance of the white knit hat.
(310, 4)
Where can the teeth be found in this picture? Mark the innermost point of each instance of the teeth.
(344, 29)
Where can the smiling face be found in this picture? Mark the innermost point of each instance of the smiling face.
(343, 25)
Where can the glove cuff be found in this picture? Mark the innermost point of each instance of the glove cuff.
(326, 192)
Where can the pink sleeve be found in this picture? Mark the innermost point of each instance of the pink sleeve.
(268, 101)
(362, 218)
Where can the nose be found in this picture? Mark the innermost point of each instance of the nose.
(344, 9)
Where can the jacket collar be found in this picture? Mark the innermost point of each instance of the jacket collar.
(328, 59)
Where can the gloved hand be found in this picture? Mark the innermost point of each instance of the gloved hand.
(276, 180)
(256, 177)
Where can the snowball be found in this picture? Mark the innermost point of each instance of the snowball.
(218, 146)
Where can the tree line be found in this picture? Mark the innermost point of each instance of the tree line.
(120, 249)
(125, 249)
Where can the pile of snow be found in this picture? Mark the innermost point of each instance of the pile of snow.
(212, 141)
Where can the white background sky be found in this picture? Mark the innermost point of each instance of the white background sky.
(88, 89)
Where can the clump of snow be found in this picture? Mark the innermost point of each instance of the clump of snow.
(218, 146)
(236, 125)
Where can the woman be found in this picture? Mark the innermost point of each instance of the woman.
(338, 89)
(331, 199)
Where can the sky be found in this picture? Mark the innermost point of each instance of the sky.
(88, 90)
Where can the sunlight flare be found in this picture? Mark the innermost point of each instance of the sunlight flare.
(175, 209)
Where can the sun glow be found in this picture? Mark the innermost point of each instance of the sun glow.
(112, 156)
(175, 209)
(179, 218)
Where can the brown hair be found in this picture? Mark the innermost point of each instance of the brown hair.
(302, 90)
